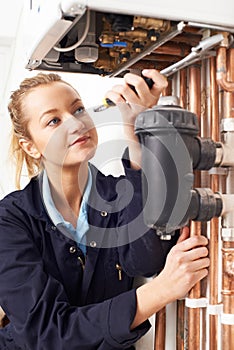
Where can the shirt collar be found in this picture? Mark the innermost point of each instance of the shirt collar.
(53, 213)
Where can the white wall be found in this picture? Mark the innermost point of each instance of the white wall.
(92, 88)
(13, 48)
(9, 22)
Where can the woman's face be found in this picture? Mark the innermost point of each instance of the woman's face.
(61, 130)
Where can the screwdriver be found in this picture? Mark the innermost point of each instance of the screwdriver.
(108, 103)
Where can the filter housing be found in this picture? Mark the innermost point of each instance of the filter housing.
(167, 136)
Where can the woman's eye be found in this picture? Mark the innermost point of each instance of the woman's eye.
(53, 121)
(79, 110)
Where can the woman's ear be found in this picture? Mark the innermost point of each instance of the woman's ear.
(29, 148)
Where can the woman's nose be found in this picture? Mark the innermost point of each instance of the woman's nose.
(74, 124)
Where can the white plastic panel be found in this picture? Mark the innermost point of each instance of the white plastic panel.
(213, 12)
(45, 24)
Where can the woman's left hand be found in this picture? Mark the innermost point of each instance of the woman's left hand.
(132, 103)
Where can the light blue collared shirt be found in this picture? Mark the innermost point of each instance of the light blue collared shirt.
(82, 221)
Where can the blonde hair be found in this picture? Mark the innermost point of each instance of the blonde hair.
(20, 123)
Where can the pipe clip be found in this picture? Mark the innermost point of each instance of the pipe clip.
(218, 171)
(215, 309)
(227, 124)
(196, 303)
(227, 234)
(227, 319)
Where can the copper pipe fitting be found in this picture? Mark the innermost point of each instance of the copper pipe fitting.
(221, 74)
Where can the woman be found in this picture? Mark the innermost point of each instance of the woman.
(73, 240)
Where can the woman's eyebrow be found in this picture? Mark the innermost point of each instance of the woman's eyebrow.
(75, 101)
(52, 110)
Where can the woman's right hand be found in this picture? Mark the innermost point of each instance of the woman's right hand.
(186, 264)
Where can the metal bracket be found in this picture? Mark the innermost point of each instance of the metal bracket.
(202, 50)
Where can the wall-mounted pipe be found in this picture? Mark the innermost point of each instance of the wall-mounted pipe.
(181, 316)
(221, 76)
(194, 105)
(160, 330)
(200, 153)
(227, 230)
(214, 224)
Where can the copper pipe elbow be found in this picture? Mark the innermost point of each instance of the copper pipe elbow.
(221, 74)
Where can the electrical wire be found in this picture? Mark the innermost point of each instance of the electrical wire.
(79, 42)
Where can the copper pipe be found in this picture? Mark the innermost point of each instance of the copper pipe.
(194, 314)
(214, 224)
(204, 124)
(180, 325)
(173, 49)
(214, 102)
(228, 293)
(148, 65)
(192, 39)
(180, 317)
(195, 90)
(228, 245)
(195, 227)
(183, 88)
(204, 180)
(213, 273)
(221, 76)
(159, 65)
(189, 29)
(228, 95)
(162, 57)
(168, 90)
(160, 330)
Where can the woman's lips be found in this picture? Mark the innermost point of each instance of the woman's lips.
(80, 140)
